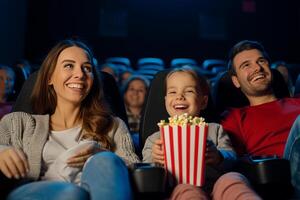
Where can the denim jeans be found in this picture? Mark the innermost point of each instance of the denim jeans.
(48, 190)
(104, 176)
(292, 153)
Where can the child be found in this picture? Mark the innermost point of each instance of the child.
(187, 92)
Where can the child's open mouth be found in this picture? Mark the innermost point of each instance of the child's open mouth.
(180, 107)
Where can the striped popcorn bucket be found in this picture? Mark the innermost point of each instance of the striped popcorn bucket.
(184, 148)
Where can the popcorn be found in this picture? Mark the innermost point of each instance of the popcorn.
(184, 140)
(181, 120)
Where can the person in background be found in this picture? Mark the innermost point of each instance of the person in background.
(134, 93)
(69, 104)
(111, 69)
(125, 74)
(7, 81)
(187, 92)
(22, 69)
(281, 66)
(25, 66)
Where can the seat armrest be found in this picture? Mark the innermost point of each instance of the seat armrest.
(270, 176)
(265, 170)
(148, 178)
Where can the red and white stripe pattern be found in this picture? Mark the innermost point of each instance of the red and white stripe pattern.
(184, 148)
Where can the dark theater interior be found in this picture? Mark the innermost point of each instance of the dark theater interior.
(133, 128)
(136, 29)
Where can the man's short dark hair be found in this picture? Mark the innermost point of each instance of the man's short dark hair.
(242, 46)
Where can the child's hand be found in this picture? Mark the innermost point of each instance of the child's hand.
(212, 155)
(158, 152)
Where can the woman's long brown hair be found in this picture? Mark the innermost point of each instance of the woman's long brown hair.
(96, 115)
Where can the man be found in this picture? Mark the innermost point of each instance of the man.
(262, 128)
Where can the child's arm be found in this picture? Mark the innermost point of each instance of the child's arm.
(213, 156)
(158, 152)
(153, 151)
(223, 144)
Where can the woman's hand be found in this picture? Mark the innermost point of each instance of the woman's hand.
(158, 152)
(82, 155)
(13, 163)
(213, 156)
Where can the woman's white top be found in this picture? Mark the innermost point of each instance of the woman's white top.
(60, 146)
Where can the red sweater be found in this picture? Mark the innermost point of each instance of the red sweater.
(262, 130)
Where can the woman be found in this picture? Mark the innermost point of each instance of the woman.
(69, 101)
(134, 91)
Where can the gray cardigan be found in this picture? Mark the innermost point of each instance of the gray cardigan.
(217, 135)
(30, 133)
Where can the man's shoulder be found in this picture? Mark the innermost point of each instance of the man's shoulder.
(291, 100)
(233, 116)
(234, 112)
(241, 112)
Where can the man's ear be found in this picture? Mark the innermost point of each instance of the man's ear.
(235, 81)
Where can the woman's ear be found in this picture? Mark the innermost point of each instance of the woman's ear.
(50, 81)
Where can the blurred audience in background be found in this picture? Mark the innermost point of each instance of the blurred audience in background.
(25, 66)
(134, 91)
(111, 69)
(281, 66)
(7, 81)
(125, 74)
(22, 69)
